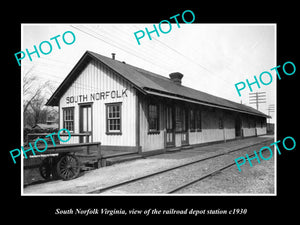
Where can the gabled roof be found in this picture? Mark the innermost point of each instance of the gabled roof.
(149, 83)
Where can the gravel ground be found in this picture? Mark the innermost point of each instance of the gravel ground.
(106, 176)
(258, 179)
(162, 183)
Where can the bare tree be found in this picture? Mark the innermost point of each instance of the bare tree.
(31, 88)
(37, 106)
(34, 109)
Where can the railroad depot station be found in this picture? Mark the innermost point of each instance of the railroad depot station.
(127, 108)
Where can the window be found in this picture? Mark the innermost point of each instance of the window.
(195, 120)
(198, 121)
(68, 119)
(113, 118)
(192, 120)
(180, 119)
(262, 123)
(184, 120)
(153, 118)
(221, 124)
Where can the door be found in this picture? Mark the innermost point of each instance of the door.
(184, 133)
(170, 128)
(181, 129)
(85, 125)
(238, 127)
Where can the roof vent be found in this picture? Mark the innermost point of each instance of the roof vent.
(176, 77)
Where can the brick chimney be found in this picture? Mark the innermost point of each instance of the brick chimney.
(176, 77)
(113, 56)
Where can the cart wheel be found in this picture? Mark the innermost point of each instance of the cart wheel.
(68, 167)
(45, 168)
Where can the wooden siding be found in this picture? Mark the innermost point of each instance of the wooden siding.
(229, 126)
(261, 131)
(210, 132)
(150, 141)
(251, 126)
(248, 132)
(210, 128)
(97, 78)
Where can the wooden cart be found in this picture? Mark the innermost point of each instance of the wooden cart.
(65, 160)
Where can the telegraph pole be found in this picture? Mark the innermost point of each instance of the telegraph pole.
(270, 109)
(257, 97)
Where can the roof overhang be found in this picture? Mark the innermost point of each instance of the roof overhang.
(182, 98)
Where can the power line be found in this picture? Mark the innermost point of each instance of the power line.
(131, 53)
(182, 55)
(159, 50)
(256, 98)
(193, 61)
(142, 55)
(114, 45)
(151, 57)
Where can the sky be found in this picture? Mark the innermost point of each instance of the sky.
(212, 57)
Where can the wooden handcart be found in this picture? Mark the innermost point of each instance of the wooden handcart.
(65, 160)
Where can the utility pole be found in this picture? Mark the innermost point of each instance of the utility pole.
(270, 109)
(257, 97)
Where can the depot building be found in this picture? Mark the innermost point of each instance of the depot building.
(128, 108)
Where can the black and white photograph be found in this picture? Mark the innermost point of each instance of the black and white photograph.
(137, 112)
(144, 109)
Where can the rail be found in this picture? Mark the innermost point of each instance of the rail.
(139, 178)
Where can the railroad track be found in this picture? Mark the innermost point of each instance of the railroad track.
(201, 178)
(183, 185)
